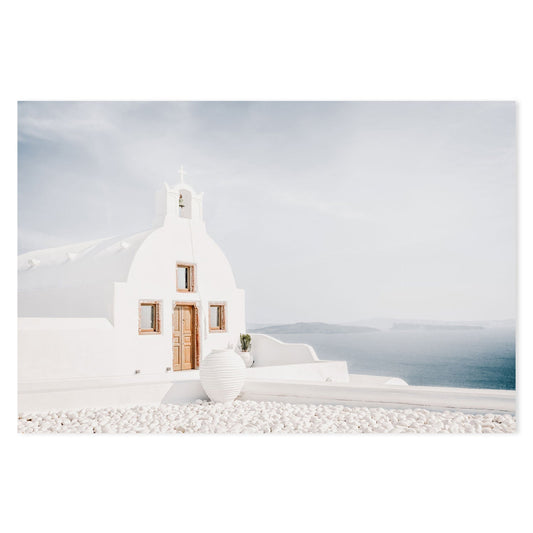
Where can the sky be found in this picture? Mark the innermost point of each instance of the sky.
(327, 211)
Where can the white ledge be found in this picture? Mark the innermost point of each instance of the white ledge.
(387, 396)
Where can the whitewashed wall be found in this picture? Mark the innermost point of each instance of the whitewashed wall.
(267, 350)
(56, 349)
(153, 277)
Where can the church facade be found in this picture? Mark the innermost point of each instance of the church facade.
(152, 303)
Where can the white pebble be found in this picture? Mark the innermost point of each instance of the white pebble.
(262, 417)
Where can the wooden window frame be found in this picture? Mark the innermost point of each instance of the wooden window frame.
(192, 277)
(157, 305)
(223, 323)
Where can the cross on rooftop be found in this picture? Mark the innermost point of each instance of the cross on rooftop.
(182, 172)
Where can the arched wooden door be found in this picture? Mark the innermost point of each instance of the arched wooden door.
(184, 337)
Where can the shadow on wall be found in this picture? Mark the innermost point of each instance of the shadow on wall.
(184, 392)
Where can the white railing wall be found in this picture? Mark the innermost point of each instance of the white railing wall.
(267, 351)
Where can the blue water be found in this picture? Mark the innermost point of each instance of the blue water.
(483, 359)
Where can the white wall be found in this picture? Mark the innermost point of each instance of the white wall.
(385, 396)
(85, 301)
(63, 348)
(267, 351)
(322, 371)
(153, 277)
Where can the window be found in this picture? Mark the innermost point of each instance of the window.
(149, 321)
(217, 317)
(185, 278)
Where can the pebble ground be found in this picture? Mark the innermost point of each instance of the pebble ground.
(262, 417)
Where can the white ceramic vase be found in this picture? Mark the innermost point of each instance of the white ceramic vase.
(222, 375)
(247, 358)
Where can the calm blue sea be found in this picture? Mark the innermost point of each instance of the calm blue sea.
(482, 358)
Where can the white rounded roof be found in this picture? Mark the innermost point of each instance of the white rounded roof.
(78, 280)
(81, 263)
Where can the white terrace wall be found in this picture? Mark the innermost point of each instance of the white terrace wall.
(267, 350)
(66, 348)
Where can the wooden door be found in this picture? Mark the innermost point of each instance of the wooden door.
(183, 337)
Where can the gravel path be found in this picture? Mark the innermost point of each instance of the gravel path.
(262, 417)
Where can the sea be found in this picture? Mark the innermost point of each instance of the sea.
(476, 358)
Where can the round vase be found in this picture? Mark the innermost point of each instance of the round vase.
(222, 375)
(247, 358)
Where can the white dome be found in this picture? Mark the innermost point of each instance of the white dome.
(79, 280)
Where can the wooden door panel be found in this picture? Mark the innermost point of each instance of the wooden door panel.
(187, 358)
(183, 337)
(176, 359)
(187, 319)
(176, 339)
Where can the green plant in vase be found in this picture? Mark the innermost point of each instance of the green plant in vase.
(246, 342)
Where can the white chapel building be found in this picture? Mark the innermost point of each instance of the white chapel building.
(128, 320)
(152, 303)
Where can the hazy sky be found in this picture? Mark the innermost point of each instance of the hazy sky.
(329, 212)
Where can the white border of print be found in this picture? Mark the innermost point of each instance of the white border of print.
(411, 50)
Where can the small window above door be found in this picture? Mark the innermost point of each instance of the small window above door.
(184, 277)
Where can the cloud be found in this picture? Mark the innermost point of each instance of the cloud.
(319, 203)
(394, 204)
(71, 123)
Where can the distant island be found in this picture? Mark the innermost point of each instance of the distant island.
(433, 327)
(322, 327)
(313, 327)
(379, 324)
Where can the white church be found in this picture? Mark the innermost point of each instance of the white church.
(139, 309)
(148, 303)
(128, 320)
